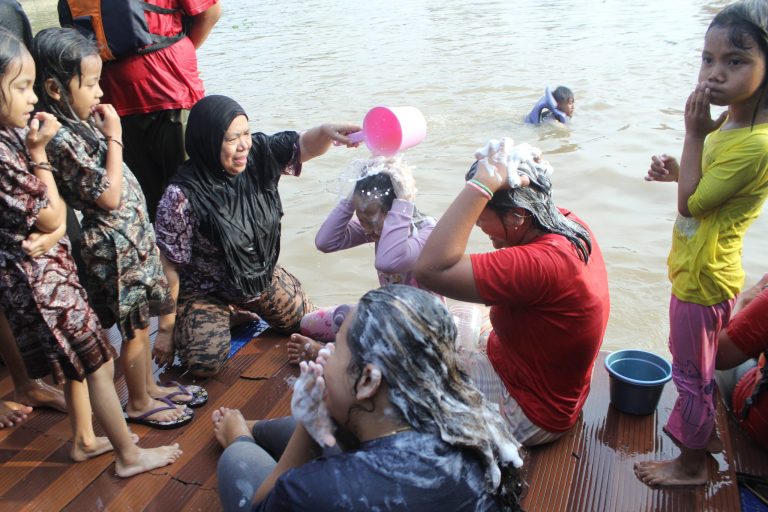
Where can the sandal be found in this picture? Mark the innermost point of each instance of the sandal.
(199, 395)
(144, 419)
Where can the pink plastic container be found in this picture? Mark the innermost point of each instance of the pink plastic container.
(389, 130)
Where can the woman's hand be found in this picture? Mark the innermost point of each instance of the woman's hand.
(498, 161)
(698, 117)
(307, 404)
(162, 351)
(337, 133)
(663, 168)
(107, 121)
(42, 128)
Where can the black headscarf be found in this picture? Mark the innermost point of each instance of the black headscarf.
(239, 214)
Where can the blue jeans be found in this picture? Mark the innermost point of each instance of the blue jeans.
(244, 465)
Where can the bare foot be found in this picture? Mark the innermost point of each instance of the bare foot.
(670, 472)
(147, 459)
(40, 394)
(83, 451)
(13, 414)
(165, 412)
(302, 348)
(228, 425)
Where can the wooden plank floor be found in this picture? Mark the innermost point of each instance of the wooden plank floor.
(588, 470)
(591, 469)
(37, 475)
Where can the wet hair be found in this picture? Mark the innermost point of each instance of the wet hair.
(11, 50)
(536, 199)
(410, 336)
(562, 93)
(375, 185)
(747, 23)
(58, 54)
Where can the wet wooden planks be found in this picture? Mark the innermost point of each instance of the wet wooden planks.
(592, 467)
(588, 470)
(37, 475)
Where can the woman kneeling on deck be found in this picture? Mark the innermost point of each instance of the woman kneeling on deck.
(423, 437)
(218, 229)
(546, 283)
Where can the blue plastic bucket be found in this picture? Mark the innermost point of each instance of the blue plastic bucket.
(637, 379)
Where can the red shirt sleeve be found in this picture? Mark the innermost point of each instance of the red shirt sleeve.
(749, 329)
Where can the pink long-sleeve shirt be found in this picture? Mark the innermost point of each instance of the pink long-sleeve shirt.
(397, 249)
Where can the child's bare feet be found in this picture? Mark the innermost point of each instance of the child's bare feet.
(40, 394)
(302, 348)
(228, 425)
(147, 459)
(82, 451)
(670, 472)
(13, 414)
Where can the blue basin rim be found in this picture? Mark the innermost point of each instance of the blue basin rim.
(641, 355)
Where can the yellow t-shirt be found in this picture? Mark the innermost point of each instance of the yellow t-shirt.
(705, 260)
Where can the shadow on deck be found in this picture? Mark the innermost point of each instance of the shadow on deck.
(588, 470)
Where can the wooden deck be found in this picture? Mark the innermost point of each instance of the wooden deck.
(588, 470)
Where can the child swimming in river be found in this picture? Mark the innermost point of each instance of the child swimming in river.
(553, 106)
(722, 183)
(381, 210)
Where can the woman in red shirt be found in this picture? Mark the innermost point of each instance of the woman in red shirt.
(545, 281)
(743, 346)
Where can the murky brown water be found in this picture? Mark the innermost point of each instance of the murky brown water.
(474, 68)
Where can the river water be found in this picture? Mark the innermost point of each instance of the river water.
(475, 68)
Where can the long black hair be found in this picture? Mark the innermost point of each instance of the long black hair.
(11, 50)
(537, 200)
(58, 54)
(410, 336)
(747, 22)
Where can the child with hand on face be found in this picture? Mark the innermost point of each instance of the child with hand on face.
(123, 274)
(380, 210)
(722, 183)
(47, 310)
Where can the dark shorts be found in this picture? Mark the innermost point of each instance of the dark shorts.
(202, 336)
(154, 149)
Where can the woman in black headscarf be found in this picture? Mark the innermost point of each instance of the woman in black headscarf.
(218, 228)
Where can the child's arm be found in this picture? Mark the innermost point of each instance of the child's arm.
(38, 243)
(108, 122)
(698, 124)
(42, 128)
(339, 230)
(398, 250)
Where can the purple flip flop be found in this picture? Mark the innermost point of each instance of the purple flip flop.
(144, 419)
(199, 395)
